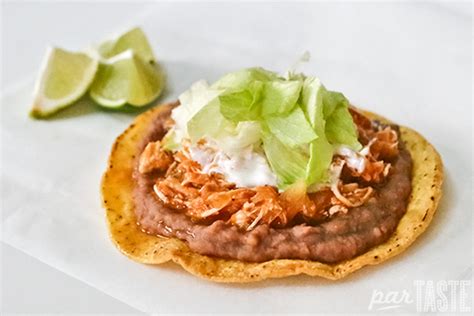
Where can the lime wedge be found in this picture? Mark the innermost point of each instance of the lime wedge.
(64, 78)
(126, 78)
(133, 39)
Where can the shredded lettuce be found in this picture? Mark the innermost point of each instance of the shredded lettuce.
(209, 122)
(169, 141)
(340, 127)
(292, 129)
(243, 104)
(243, 135)
(295, 121)
(320, 150)
(288, 164)
(192, 101)
(240, 80)
(280, 97)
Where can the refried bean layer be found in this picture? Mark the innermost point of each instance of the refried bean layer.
(342, 237)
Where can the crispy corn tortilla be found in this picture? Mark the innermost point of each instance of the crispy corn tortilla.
(117, 187)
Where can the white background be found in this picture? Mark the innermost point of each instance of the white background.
(28, 285)
(410, 62)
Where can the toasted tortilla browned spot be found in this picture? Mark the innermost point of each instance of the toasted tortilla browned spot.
(117, 186)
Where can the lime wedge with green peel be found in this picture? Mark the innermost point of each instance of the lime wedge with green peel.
(64, 78)
(126, 79)
(133, 39)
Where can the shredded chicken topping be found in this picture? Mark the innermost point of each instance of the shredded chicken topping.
(154, 158)
(209, 197)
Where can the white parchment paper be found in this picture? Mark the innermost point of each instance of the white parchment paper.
(411, 63)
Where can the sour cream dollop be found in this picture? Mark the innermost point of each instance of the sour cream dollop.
(354, 159)
(246, 168)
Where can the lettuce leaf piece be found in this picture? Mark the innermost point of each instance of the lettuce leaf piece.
(312, 103)
(340, 127)
(230, 137)
(280, 96)
(209, 122)
(320, 157)
(245, 134)
(292, 129)
(258, 99)
(331, 101)
(320, 150)
(287, 163)
(168, 142)
(192, 101)
(240, 80)
(243, 104)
